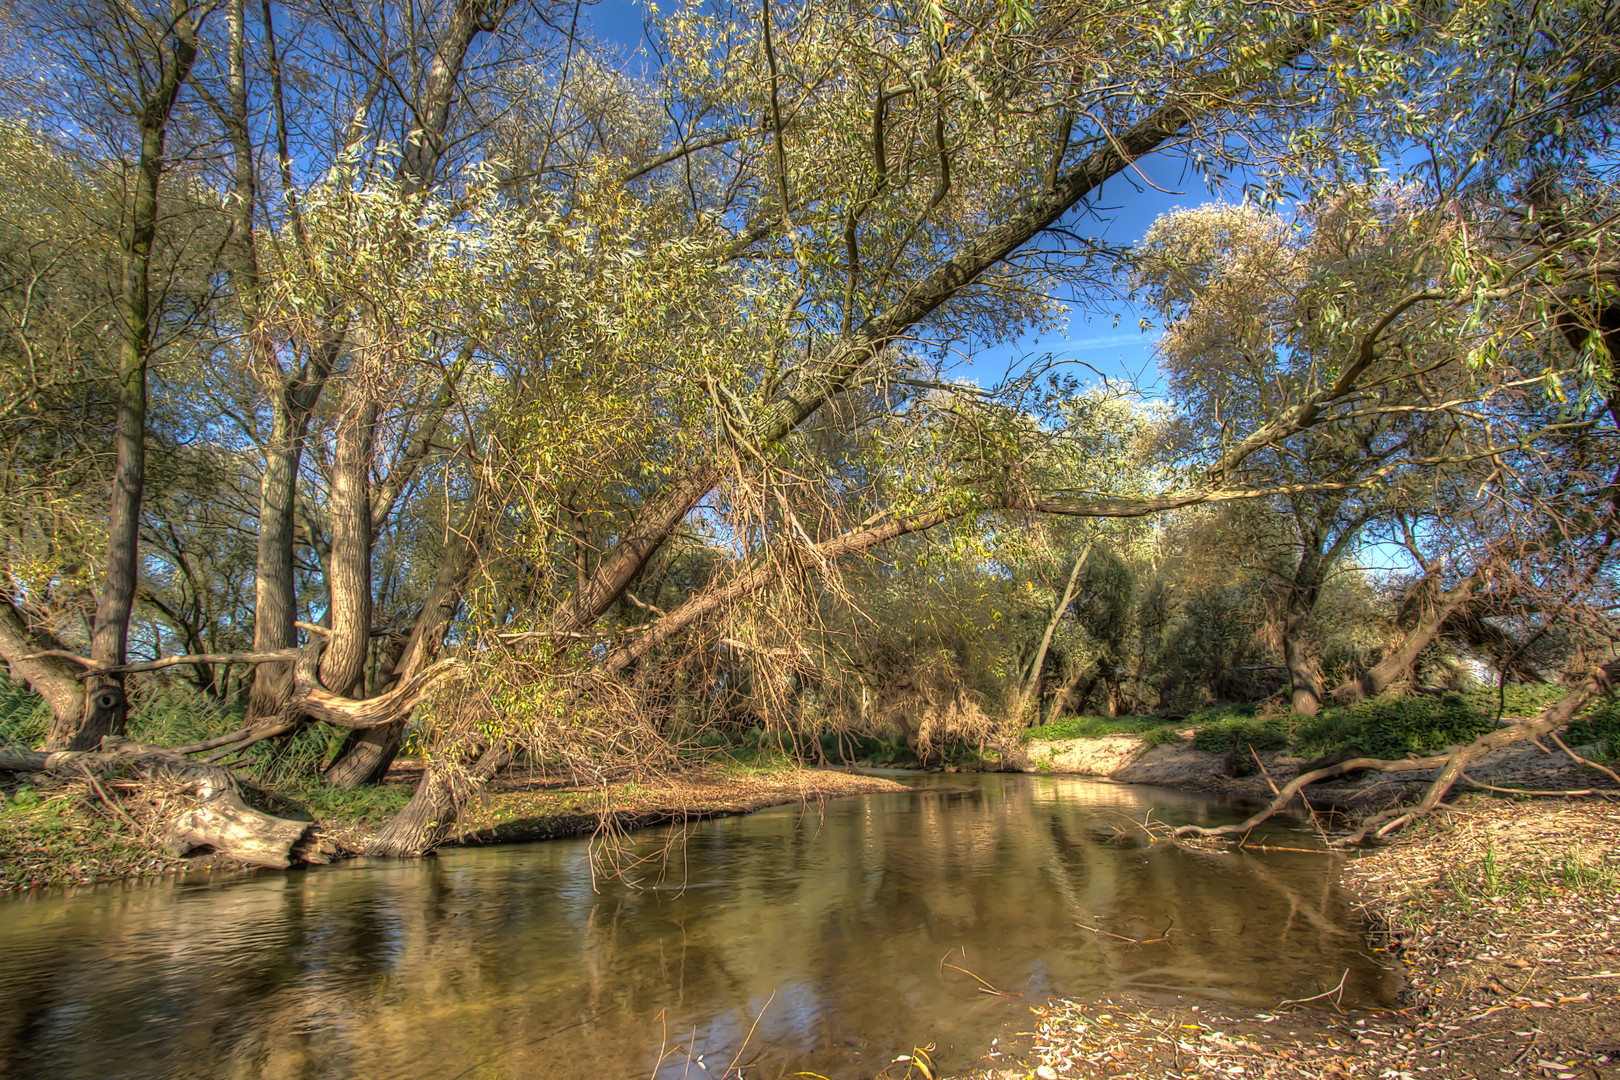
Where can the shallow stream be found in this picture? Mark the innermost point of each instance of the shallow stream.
(842, 934)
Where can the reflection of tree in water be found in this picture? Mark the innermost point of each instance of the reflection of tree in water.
(507, 960)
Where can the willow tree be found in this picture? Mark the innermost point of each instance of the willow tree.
(127, 66)
(882, 177)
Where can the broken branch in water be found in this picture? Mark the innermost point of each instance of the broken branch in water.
(1337, 990)
(1138, 942)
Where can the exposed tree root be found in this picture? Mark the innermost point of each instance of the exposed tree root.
(1451, 767)
(219, 818)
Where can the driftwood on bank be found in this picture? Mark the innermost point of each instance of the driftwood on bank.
(220, 819)
(1452, 766)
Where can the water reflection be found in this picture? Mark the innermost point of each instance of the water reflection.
(505, 962)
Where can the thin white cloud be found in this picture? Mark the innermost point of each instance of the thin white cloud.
(1109, 341)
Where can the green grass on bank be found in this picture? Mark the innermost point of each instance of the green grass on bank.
(61, 830)
(1387, 727)
(1155, 729)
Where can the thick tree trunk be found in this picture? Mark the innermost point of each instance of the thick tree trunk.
(1306, 693)
(275, 601)
(50, 677)
(343, 661)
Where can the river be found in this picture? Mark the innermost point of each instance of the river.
(829, 938)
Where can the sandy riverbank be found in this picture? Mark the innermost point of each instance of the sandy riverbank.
(1133, 759)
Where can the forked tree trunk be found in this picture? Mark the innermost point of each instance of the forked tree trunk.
(367, 755)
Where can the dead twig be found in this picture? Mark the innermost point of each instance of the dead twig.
(115, 808)
(984, 987)
(1337, 990)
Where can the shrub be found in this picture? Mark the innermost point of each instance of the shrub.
(1393, 727)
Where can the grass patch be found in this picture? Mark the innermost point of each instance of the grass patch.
(1157, 731)
(57, 833)
(1231, 733)
(365, 806)
(1514, 699)
(1491, 877)
(1393, 727)
(24, 716)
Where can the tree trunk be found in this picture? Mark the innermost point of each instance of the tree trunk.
(1306, 696)
(105, 707)
(1030, 691)
(50, 677)
(1060, 700)
(343, 661)
(1433, 618)
(275, 601)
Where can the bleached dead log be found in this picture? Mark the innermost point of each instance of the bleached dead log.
(220, 818)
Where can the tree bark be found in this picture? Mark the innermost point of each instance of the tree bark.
(48, 676)
(349, 577)
(1030, 691)
(105, 707)
(1306, 693)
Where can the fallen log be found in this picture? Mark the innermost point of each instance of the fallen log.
(220, 819)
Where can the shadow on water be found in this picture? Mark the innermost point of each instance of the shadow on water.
(858, 921)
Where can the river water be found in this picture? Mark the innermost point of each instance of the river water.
(838, 935)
